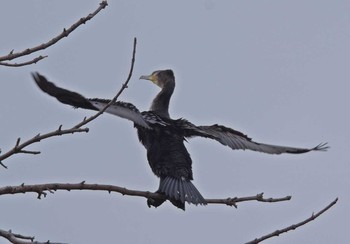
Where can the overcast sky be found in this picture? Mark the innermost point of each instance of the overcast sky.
(275, 70)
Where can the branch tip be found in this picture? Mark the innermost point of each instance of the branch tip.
(12, 55)
(104, 4)
(17, 142)
(3, 165)
(87, 120)
(293, 226)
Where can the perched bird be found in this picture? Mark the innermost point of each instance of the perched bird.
(164, 137)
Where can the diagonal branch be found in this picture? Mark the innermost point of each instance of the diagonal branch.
(44, 189)
(21, 239)
(294, 226)
(124, 86)
(18, 148)
(54, 40)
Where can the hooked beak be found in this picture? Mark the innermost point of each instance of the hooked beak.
(148, 77)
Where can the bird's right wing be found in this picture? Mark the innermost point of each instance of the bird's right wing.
(237, 140)
(121, 109)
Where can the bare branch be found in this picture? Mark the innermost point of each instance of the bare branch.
(294, 226)
(44, 189)
(21, 239)
(18, 148)
(258, 197)
(54, 40)
(33, 61)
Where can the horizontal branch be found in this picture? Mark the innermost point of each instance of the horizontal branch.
(21, 239)
(294, 226)
(258, 197)
(12, 55)
(44, 189)
(33, 61)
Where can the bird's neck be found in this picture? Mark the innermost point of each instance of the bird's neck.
(160, 104)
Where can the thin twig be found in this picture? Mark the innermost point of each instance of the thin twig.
(33, 61)
(21, 239)
(124, 86)
(18, 148)
(258, 197)
(54, 40)
(294, 226)
(43, 189)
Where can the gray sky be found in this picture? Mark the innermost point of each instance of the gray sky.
(275, 70)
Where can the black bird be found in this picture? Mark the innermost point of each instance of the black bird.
(164, 137)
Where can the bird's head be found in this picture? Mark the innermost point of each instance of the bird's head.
(160, 77)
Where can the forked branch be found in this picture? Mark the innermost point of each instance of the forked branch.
(19, 147)
(13, 55)
(21, 239)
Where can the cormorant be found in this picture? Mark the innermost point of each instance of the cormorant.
(164, 137)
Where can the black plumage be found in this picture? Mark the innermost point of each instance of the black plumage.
(164, 137)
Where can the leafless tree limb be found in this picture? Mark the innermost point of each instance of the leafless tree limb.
(258, 197)
(18, 148)
(33, 61)
(294, 226)
(12, 55)
(21, 239)
(44, 189)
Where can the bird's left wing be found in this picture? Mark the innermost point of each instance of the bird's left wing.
(121, 109)
(237, 140)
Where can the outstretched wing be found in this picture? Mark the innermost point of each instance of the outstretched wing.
(237, 140)
(121, 109)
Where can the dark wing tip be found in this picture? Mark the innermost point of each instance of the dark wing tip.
(34, 75)
(43, 83)
(63, 95)
(321, 147)
(38, 78)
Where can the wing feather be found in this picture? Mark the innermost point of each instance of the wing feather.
(121, 109)
(237, 140)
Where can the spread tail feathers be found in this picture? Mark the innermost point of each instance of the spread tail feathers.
(179, 191)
